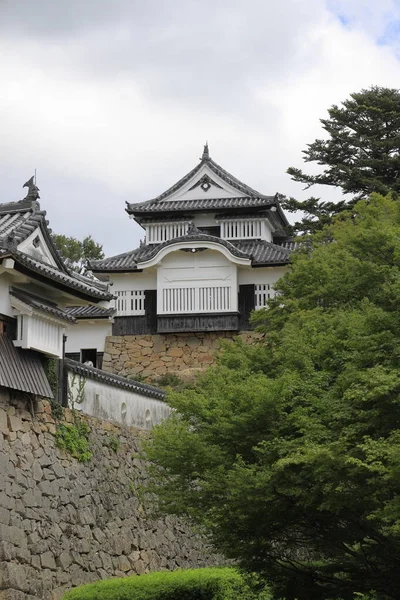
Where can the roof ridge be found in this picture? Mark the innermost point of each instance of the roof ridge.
(41, 266)
(217, 170)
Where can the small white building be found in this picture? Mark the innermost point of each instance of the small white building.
(40, 301)
(213, 250)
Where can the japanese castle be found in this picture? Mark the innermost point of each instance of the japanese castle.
(213, 249)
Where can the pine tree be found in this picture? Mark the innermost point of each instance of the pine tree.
(361, 155)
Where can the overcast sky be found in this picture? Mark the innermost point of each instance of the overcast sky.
(112, 100)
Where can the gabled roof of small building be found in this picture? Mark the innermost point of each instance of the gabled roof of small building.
(243, 196)
(18, 220)
(260, 252)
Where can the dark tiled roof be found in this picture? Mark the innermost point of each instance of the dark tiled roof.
(127, 261)
(90, 312)
(259, 251)
(290, 245)
(84, 285)
(156, 206)
(41, 304)
(215, 168)
(263, 253)
(132, 260)
(22, 370)
(114, 380)
(194, 235)
(17, 221)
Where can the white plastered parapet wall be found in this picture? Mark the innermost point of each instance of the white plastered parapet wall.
(128, 407)
(88, 334)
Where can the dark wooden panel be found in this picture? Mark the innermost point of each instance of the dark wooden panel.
(191, 323)
(130, 326)
(8, 325)
(73, 356)
(150, 306)
(99, 364)
(246, 305)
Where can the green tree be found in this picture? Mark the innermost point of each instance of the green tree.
(360, 155)
(76, 253)
(288, 453)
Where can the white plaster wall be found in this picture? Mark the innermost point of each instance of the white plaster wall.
(42, 251)
(134, 281)
(5, 306)
(226, 191)
(260, 275)
(204, 220)
(107, 402)
(88, 334)
(198, 269)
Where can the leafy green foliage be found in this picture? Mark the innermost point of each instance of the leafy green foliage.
(113, 443)
(50, 366)
(74, 439)
(76, 253)
(195, 584)
(360, 155)
(288, 454)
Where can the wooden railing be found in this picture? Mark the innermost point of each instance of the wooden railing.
(263, 292)
(210, 299)
(129, 302)
(238, 229)
(161, 232)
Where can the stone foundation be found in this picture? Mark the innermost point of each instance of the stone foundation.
(64, 523)
(151, 356)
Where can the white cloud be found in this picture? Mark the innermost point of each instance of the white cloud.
(120, 110)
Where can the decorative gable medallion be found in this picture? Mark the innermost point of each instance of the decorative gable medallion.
(205, 183)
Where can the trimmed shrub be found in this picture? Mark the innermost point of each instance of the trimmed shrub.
(192, 584)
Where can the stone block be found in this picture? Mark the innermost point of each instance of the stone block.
(177, 352)
(16, 595)
(123, 564)
(14, 576)
(10, 533)
(4, 515)
(64, 560)
(47, 561)
(3, 422)
(7, 551)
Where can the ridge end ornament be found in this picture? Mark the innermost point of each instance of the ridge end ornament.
(33, 190)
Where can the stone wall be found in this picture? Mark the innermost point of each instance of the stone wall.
(151, 356)
(63, 522)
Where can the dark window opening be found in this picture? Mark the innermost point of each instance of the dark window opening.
(214, 230)
(89, 355)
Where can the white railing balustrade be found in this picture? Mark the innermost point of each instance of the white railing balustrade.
(156, 233)
(208, 299)
(129, 302)
(263, 292)
(214, 299)
(239, 229)
(179, 300)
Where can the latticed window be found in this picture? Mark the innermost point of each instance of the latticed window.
(239, 229)
(156, 233)
(129, 302)
(263, 292)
